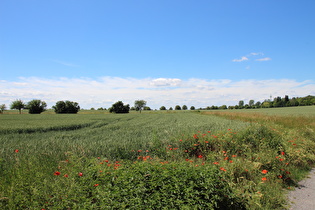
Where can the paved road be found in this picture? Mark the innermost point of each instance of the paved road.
(303, 197)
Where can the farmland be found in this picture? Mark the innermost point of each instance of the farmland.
(180, 159)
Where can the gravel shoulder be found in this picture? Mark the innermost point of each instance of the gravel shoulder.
(303, 197)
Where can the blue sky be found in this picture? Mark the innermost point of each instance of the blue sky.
(200, 53)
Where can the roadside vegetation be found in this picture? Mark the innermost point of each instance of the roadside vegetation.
(158, 159)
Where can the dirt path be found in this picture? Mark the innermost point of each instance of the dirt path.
(303, 197)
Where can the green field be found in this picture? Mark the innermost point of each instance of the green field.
(157, 159)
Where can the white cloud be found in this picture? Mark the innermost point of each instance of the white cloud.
(165, 82)
(244, 58)
(105, 91)
(256, 53)
(263, 59)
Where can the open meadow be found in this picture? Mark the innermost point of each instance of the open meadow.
(231, 159)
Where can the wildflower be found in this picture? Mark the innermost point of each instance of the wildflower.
(206, 142)
(282, 153)
(222, 169)
(281, 159)
(200, 156)
(80, 174)
(216, 163)
(139, 150)
(280, 177)
(226, 158)
(57, 173)
(187, 159)
(180, 140)
(231, 161)
(264, 179)
(16, 151)
(66, 175)
(209, 131)
(234, 156)
(264, 171)
(147, 151)
(96, 185)
(288, 172)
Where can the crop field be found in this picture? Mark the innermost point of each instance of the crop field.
(157, 159)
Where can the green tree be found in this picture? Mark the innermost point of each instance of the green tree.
(241, 104)
(177, 107)
(162, 108)
(192, 108)
(171, 108)
(66, 107)
(140, 104)
(251, 103)
(184, 107)
(36, 106)
(18, 104)
(2, 108)
(119, 108)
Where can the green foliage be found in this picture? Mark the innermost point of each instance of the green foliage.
(66, 107)
(2, 108)
(36, 106)
(18, 104)
(177, 107)
(140, 104)
(184, 107)
(162, 108)
(119, 108)
(192, 108)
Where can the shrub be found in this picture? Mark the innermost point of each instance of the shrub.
(119, 107)
(36, 106)
(66, 107)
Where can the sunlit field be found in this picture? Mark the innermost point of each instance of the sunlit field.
(240, 159)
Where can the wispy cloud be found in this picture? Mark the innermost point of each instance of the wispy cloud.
(105, 91)
(65, 63)
(263, 59)
(244, 58)
(254, 54)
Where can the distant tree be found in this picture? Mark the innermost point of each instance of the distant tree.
(2, 108)
(140, 104)
(119, 108)
(177, 107)
(223, 107)
(18, 104)
(36, 106)
(241, 104)
(66, 107)
(147, 108)
(162, 108)
(251, 103)
(92, 108)
(184, 107)
(192, 108)
(258, 104)
(170, 108)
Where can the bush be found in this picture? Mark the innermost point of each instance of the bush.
(36, 106)
(66, 107)
(119, 107)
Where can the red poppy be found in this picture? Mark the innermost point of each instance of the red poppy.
(16, 151)
(216, 163)
(264, 171)
(80, 174)
(66, 175)
(96, 185)
(264, 179)
(200, 156)
(282, 153)
(222, 169)
(57, 173)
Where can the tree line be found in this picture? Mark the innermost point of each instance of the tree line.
(37, 106)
